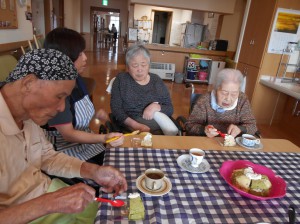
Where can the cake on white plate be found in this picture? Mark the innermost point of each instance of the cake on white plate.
(229, 140)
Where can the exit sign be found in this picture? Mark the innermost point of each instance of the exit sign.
(104, 2)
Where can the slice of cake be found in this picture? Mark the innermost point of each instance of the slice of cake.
(249, 181)
(136, 207)
(240, 180)
(260, 187)
(147, 140)
(229, 140)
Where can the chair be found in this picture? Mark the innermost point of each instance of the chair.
(181, 120)
(7, 64)
(32, 44)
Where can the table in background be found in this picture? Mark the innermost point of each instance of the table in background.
(205, 198)
(187, 142)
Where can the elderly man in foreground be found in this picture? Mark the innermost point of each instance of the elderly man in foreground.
(32, 94)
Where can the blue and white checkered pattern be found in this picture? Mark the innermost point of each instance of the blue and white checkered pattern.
(205, 198)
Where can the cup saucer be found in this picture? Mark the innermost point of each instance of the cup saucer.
(184, 162)
(255, 147)
(165, 188)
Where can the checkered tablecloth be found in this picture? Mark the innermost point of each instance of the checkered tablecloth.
(205, 198)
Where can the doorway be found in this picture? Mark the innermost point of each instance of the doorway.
(161, 27)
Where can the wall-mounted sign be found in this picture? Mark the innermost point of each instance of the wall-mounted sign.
(104, 2)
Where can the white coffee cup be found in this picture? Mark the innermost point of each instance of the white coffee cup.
(196, 156)
(249, 140)
(154, 179)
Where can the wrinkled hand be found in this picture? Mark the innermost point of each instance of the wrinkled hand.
(101, 115)
(233, 130)
(210, 131)
(119, 141)
(149, 111)
(111, 180)
(142, 128)
(73, 199)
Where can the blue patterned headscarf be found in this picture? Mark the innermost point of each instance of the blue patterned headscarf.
(46, 64)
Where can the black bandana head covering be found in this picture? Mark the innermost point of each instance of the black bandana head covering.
(46, 64)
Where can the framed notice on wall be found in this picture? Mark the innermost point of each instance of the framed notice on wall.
(8, 14)
(285, 29)
(132, 34)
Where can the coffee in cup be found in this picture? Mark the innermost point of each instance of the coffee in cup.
(154, 179)
(196, 156)
(250, 140)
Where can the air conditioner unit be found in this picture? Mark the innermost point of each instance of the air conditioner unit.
(163, 70)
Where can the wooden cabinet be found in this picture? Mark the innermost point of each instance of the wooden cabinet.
(258, 25)
(255, 39)
(251, 74)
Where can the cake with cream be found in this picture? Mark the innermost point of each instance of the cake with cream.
(249, 181)
(147, 140)
(229, 140)
(136, 207)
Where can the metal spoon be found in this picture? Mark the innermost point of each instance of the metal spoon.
(115, 203)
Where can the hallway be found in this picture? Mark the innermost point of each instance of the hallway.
(106, 60)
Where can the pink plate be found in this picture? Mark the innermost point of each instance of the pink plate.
(278, 189)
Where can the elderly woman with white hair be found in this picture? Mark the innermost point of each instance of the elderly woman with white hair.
(224, 109)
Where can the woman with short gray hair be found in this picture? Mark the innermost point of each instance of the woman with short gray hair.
(226, 108)
(140, 100)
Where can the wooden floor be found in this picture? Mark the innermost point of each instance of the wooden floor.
(106, 60)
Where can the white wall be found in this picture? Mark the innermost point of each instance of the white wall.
(23, 32)
(72, 12)
(179, 17)
(219, 6)
(38, 17)
(198, 17)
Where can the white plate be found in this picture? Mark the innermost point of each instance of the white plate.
(184, 162)
(165, 188)
(255, 147)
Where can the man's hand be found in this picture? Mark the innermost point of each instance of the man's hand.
(73, 199)
(111, 179)
(149, 111)
(233, 130)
